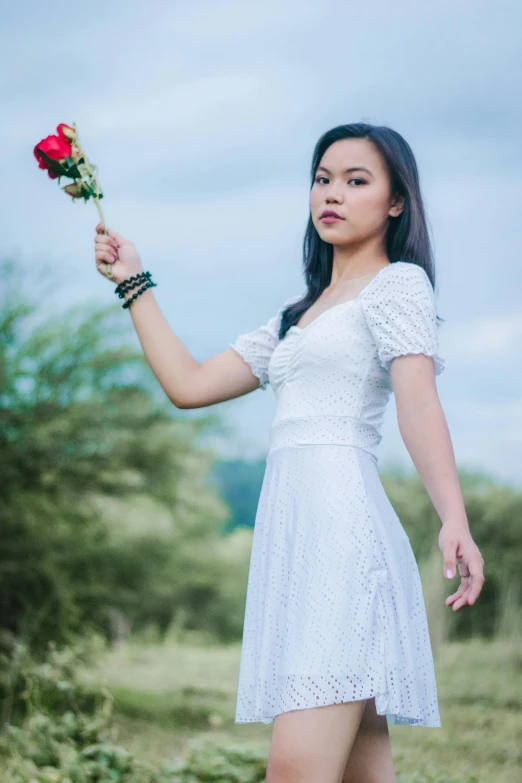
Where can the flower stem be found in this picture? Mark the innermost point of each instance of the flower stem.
(92, 171)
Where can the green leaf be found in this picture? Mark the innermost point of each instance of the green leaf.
(53, 164)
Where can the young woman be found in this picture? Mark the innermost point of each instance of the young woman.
(335, 638)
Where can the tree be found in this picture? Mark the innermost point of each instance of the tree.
(104, 503)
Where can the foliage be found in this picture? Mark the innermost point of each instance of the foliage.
(68, 735)
(108, 520)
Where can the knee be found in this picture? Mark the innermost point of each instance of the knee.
(297, 769)
(285, 769)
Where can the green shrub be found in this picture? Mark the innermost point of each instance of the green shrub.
(58, 728)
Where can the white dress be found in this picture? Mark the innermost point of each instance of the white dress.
(335, 610)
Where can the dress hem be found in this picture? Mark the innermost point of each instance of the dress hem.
(391, 717)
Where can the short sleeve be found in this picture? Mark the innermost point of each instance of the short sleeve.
(256, 347)
(401, 314)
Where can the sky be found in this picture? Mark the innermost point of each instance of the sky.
(202, 119)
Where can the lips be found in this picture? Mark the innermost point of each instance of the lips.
(330, 213)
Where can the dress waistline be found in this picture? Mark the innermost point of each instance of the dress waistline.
(324, 430)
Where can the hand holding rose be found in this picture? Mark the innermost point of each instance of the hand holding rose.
(112, 248)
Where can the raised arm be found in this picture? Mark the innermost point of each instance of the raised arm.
(186, 382)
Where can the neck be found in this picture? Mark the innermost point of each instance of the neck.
(350, 262)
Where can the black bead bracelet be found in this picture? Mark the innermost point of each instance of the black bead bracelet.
(130, 283)
(148, 284)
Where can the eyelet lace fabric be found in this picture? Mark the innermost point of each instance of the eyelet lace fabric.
(257, 347)
(334, 609)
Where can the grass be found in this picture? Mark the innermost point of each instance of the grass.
(171, 697)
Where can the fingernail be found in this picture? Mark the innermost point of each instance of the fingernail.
(449, 573)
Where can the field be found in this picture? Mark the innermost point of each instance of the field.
(172, 697)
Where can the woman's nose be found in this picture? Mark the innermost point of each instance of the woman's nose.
(334, 193)
(333, 196)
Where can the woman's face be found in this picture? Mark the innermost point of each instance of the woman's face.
(352, 180)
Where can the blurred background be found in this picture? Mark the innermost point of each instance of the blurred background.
(126, 524)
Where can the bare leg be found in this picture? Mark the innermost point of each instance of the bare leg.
(313, 744)
(370, 759)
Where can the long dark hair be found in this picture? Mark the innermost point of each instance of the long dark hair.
(407, 236)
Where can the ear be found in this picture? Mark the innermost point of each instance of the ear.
(397, 206)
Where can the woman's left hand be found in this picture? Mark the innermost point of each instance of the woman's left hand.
(459, 550)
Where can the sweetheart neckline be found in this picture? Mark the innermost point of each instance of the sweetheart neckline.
(333, 307)
(340, 304)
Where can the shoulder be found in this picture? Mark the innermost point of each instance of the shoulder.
(287, 303)
(402, 298)
(403, 272)
(401, 281)
(401, 315)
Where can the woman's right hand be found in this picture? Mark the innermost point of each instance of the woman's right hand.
(114, 249)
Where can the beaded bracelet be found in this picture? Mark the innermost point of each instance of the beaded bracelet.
(130, 283)
(148, 284)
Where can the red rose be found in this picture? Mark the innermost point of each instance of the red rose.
(62, 155)
(57, 148)
(66, 133)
